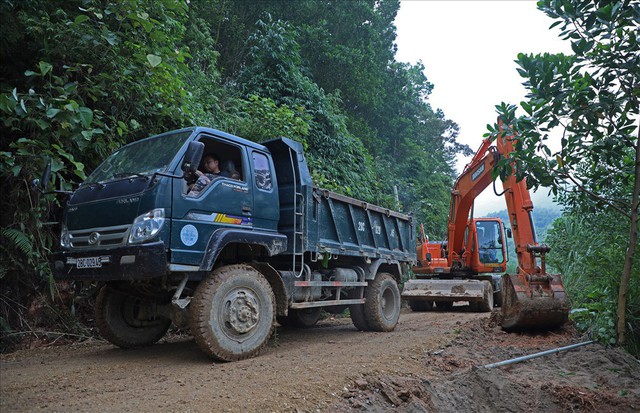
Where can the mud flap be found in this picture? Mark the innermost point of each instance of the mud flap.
(533, 305)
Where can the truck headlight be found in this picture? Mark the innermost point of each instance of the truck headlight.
(147, 226)
(65, 240)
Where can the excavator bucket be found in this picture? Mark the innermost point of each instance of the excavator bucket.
(537, 302)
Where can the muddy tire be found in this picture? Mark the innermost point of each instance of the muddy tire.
(382, 305)
(486, 305)
(356, 312)
(128, 321)
(305, 317)
(232, 313)
(420, 306)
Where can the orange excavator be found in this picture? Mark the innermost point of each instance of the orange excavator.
(471, 264)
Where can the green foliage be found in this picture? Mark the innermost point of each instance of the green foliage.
(337, 159)
(588, 250)
(262, 119)
(590, 97)
(598, 317)
(79, 78)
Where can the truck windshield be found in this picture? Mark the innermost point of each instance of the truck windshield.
(140, 158)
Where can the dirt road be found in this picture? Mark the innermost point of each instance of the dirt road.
(426, 364)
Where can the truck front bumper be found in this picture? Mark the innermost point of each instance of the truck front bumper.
(124, 263)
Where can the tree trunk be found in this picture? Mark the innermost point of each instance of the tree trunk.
(621, 329)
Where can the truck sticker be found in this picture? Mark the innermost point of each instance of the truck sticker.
(235, 187)
(189, 235)
(221, 218)
(122, 201)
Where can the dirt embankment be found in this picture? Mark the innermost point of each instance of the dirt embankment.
(429, 363)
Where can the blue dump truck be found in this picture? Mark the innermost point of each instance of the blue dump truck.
(258, 243)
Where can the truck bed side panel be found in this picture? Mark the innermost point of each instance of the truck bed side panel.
(320, 221)
(348, 226)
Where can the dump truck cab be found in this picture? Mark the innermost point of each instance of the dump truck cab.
(134, 217)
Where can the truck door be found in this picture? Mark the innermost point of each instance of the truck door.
(226, 201)
(266, 203)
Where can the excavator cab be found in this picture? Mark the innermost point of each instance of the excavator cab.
(490, 245)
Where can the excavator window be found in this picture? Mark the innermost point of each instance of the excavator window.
(489, 242)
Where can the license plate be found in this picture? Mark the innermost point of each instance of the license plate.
(89, 262)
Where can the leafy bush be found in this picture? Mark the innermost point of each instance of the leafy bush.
(589, 251)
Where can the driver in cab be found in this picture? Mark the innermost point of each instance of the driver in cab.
(211, 165)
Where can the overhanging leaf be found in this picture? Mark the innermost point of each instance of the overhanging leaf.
(86, 115)
(154, 60)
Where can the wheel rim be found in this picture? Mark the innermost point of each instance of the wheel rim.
(240, 312)
(388, 303)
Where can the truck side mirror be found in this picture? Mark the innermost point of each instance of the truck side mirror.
(42, 184)
(509, 233)
(192, 158)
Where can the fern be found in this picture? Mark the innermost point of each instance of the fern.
(21, 240)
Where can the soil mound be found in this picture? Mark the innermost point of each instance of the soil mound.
(589, 378)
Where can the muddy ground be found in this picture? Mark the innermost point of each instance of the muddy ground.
(430, 363)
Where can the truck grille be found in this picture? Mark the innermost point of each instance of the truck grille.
(99, 237)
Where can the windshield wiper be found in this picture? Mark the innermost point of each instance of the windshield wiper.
(128, 174)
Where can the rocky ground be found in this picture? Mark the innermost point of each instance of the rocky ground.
(432, 362)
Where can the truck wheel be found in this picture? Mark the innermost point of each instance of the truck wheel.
(382, 305)
(128, 321)
(420, 305)
(486, 304)
(232, 314)
(356, 312)
(305, 317)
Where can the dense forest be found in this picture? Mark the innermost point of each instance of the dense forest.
(80, 78)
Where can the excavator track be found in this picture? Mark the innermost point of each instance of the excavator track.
(531, 303)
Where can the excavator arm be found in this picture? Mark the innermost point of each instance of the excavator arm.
(532, 298)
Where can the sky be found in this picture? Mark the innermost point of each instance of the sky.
(468, 49)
